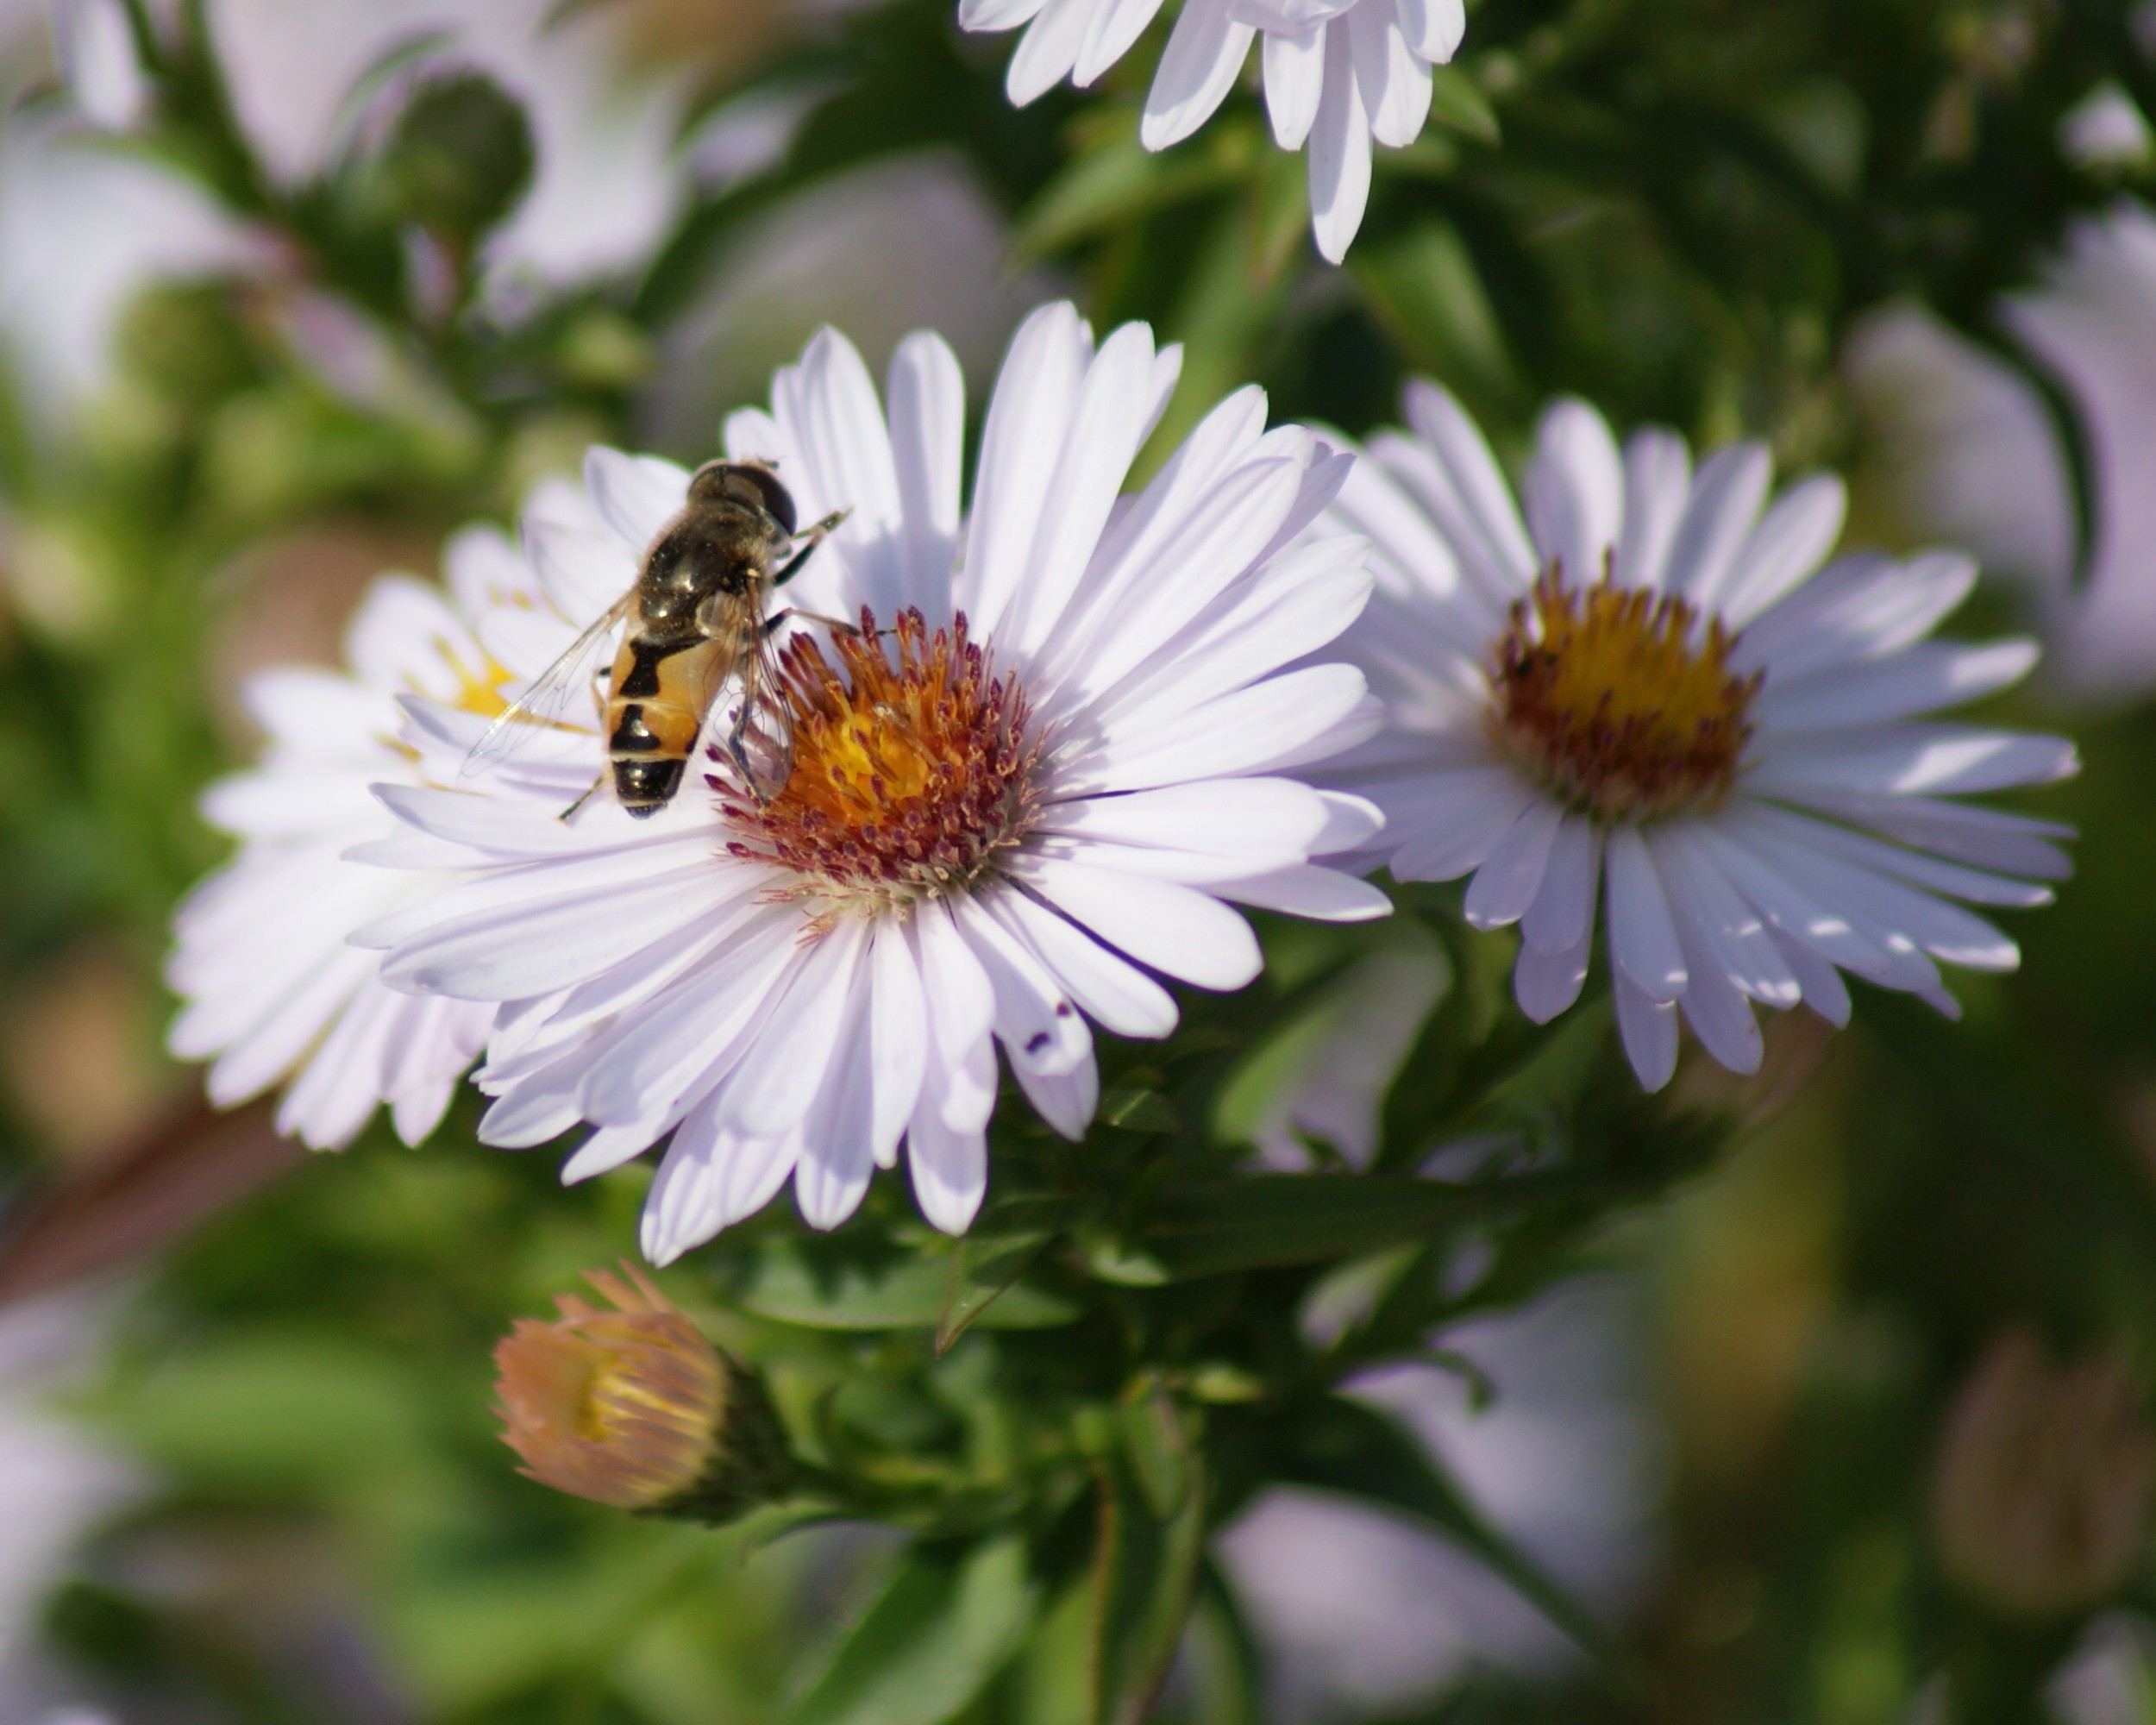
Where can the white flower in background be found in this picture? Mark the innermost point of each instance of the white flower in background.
(1650, 693)
(607, 180)
(1338, 73)
(96, 50)
(271, 985)
(1969, 452)
(1043, 779)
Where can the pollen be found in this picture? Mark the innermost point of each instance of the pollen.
(912, 767)
(1617, 702)
(624, 1407)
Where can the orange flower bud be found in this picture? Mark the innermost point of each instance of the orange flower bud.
(633, 1408)
(2040, 1496)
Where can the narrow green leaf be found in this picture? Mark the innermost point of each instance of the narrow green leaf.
(1139, 1111)
(1253, 1221)
(787, 1284)
(1457, 101)
(982, 1271)
(1159, 1451)
(1145, 1573)
(943, 1624)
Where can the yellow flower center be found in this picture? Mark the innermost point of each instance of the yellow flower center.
(909, 774)
(1606, 697)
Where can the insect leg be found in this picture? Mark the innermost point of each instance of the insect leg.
(738, 753)
(788, 614)
(569, 812)
(814, 534)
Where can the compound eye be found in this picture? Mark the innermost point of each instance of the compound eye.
(744, 482)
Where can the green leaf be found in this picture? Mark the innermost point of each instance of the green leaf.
(1113, 184)
(1145, 1573)
(460, 159)
(1140, 1110)
(1342, 1445)
(910, 1293)
(1256, 1220)
(1457, 101)
(943, 1624)
(1158, 1448)
(995, 1252)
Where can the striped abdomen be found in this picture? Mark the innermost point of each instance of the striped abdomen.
(662, 689)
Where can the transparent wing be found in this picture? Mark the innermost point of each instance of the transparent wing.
(550, 696)
(757, 737)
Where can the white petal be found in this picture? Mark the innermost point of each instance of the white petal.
(1657, 484)
(1545, 983)
(1562, 916)
(1048, 51)
(1395, 85)
(927, 436)
(898, 1044)
(1036, 1020)
(1642, 939)
(1989, 838)
(1109, 421)
(1575, 491)
(1726, 495)
(1862, 606)
(1205, 52)
(1065, 1100)
(1919, 678)
(1506, 884)
(1791, 909)
(1294, 80)
(1474, 809)
(949, 1170)
(1937, 759)
(1267, 820)
(846, 456)
(1247, 731)
(1648, 1028)
(1307, 890)
(1732, 935)
(780, 1076)
(1020, 443)
(1716, 1009)
(1113, 27)
(996, 15)
(837, 1157)
(1825, 993)
(1890, 859)
(956, 991)
(1174, 930)
(635, 495)
(1796, 536)
(1339, 153)
(1110, 991)
(1433, 28)
(1475, 476)
(582, 570)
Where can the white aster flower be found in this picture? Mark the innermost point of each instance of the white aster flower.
(272, 989)
(1338, 73)
(1651, 693)
(1036, 795)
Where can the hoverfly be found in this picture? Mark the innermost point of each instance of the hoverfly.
(697, 622)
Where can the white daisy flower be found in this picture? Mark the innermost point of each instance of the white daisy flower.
(1649, 690)
(1035, 782)
(1338, 73)
(272, 990)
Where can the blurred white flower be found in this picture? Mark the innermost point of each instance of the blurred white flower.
(2105, 129)
(1066, 768)
(608, 179)
(1654, 692)
(1968, 450)
(1339, 75)
(1364, 1611)
(270, 987)
(82, 229)
(97, 57)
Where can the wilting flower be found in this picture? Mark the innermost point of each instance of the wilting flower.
(1338, 74)
(2041, 1495)
(635, 1408)
(1030, 782)
(1650, 691)
(272, 987)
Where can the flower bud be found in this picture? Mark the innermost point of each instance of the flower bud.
(635, 1408)
(2040, 1495)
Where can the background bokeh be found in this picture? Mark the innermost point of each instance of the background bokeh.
(248, 1468)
